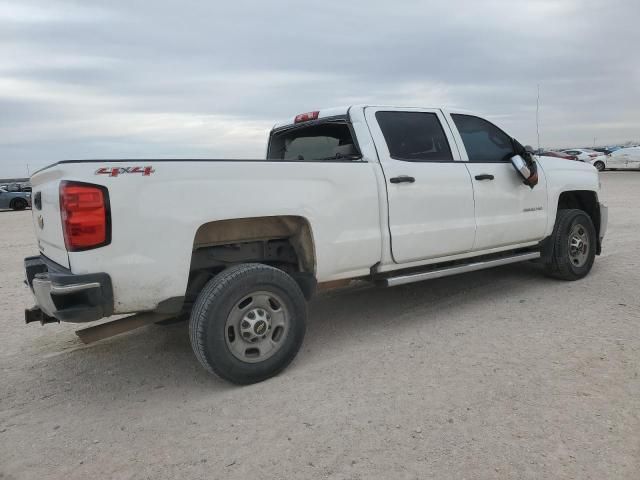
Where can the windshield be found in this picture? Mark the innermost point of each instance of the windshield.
(325, 141)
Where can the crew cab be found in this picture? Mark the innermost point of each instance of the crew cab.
(382, 194)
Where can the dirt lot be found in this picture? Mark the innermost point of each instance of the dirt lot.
(496, 374)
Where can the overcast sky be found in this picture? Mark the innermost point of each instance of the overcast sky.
(126, 78)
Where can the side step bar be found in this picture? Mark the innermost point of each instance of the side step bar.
(445, 272)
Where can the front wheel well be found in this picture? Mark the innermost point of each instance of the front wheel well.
(585, 200)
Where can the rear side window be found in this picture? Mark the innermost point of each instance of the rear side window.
(328, 141)
(414, 136)
(483, 141)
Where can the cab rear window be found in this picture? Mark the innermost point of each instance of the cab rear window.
(326, 141)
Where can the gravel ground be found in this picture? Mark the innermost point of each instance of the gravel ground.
(496, 374)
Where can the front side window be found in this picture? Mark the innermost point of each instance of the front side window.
(327, 141)
(483, 141)
(414, 136)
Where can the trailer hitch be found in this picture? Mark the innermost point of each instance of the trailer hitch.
(35, 314)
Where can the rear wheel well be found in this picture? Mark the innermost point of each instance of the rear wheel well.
(284, 242)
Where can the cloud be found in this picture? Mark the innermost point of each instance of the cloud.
(209, 79)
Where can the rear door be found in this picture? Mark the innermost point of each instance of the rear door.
(507, 211)
(429, 190)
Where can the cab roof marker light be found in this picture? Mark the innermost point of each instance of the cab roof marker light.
(307, 117)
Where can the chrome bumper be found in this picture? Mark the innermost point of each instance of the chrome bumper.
(65, 297)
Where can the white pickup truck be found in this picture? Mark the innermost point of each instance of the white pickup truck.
(382, 194)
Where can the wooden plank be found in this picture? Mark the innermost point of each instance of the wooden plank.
(116, 327)
(334, 284)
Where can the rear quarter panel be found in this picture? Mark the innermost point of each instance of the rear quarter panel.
(155, 218)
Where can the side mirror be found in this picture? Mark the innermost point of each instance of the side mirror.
(529, 149)
(521, 166)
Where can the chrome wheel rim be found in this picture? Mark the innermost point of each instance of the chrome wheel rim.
(578, 245)
(257, 327)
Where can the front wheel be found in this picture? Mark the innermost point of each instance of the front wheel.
(248, 323)
(574, 245)
(599, 166)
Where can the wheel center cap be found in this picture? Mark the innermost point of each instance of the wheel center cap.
(260, 327)
(255, 325)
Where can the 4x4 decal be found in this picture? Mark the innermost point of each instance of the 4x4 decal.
(115, 171)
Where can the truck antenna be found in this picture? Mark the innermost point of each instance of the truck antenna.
(538, 116)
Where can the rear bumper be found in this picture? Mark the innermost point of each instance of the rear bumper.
(60, 295)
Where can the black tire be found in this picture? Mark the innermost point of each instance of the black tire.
(19, 204)
(599, 166)
(208, 322)
(562, 265)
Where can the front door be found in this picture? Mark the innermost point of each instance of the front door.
(507, 211)
(429, 191)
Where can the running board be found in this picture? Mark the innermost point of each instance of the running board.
(445, 272)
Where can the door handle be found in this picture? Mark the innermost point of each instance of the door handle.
(402, 179)
(484, 176)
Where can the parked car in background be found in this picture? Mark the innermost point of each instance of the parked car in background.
(550, 153)
(16, 187)
(584, 154)
(597, 159)
(624, 158)
(14, 200)
(604, 150)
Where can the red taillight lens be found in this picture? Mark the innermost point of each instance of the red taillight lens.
(85, 216)
(305, 117)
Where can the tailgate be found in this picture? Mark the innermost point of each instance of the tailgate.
(47, 222)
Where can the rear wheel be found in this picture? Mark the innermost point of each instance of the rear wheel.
(19, 204)
(599, 166)
(574, 245)
(248, 323)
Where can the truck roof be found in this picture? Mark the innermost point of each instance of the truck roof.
(344, 110)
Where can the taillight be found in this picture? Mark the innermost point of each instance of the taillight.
(86, 220)
(305, 117)
(592, 155)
